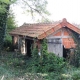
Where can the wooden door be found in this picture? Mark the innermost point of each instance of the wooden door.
(55, 46)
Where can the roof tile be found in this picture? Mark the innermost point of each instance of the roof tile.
(42, 29)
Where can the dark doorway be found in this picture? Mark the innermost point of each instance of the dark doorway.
(29, 44)
(65, 52)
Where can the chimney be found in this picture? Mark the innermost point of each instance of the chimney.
(64, 20)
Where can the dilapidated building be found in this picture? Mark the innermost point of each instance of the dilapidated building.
(59, 37)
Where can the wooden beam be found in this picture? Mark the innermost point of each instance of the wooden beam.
(59, 37)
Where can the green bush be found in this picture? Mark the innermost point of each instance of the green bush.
(47, 67)
(52, 63)
(47, 62)
(76, 75)
(76, 58)
(8, 43)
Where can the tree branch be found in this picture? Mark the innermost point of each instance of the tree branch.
(33, 9)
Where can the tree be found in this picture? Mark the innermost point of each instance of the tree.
(11, 24)
(4, 7)
(35, 6)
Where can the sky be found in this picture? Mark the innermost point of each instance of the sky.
(59, 9)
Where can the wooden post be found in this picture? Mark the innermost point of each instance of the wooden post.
(14, 41)
(71, 55)
(23, 50)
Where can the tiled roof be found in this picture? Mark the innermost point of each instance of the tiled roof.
(33, 30)
(42, 30)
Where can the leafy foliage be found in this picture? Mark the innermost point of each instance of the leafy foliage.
(15, 66)
(47, 62)
(35, 7)
(76, 75)
(48, 66)
(11, 24)
(4, 6)
(76, 57)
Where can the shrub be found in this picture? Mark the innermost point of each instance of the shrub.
(8, 43)
(76, 75)
(47, 62)
(76, 58)
(52, 63)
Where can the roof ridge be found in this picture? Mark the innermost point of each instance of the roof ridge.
(41, 24)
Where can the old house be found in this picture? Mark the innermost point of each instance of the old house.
(59, 37)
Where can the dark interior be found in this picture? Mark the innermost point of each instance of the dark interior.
(29, 44)
(65, 52)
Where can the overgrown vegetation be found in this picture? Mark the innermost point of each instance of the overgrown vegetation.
(16, 66)
(11, 24)
(46, 66)
(46, 62)
(76, 57)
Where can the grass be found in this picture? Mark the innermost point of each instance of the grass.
(17, 67)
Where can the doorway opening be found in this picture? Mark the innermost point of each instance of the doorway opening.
(29, 45)
(65, 53)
